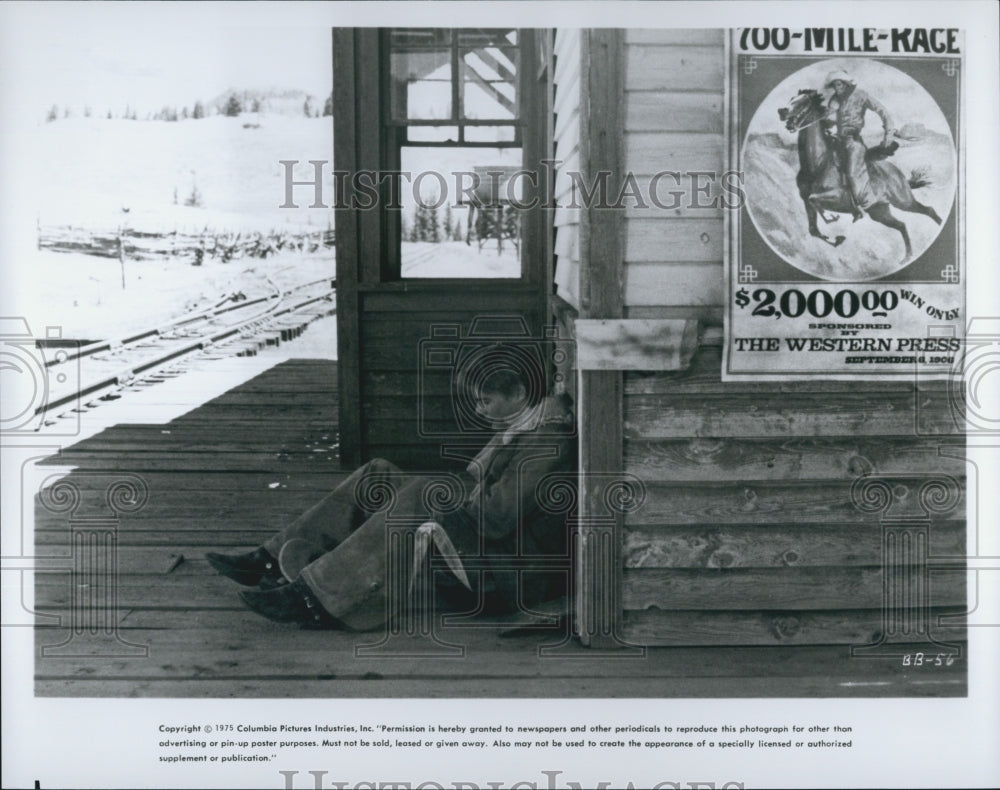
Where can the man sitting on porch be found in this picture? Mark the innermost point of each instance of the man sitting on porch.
(328, 569)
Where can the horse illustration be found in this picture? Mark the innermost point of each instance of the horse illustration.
(824, 188)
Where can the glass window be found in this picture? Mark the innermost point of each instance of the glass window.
(489, 89)
(421, 84)
(455, 107)
(465, 78)
(457, 219)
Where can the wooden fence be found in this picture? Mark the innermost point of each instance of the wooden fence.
(127, 243)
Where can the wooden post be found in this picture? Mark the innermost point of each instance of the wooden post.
(602, 256)
(347, 240)
(121, 252)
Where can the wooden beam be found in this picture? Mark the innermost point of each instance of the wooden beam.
(346, 220)
(602, 151)
(602, 255)
(700, 459)
(775, 588)
(702, 378)
(762, 628)
(847, 544)
(790, 415)
(368, 121)
(635, 344)
(819, 503)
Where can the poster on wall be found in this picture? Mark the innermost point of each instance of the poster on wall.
(845, 258)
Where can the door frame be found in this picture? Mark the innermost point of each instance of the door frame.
(362, 236)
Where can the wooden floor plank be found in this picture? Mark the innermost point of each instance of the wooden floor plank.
(198, 480)
(284, 651)
(318, 686)
(185, 462)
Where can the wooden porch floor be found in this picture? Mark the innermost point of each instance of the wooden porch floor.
(228, 473)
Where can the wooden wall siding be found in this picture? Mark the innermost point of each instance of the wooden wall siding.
(663, 111)
(566, 107)
(674, 67)
(691, 149)
(749, 534)
(673, 283)
(674, 122)
(697, 37)
(396, 395)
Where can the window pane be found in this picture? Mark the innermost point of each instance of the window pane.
(488, 134)
(461, 237)
(489, 83)
(421, 84)
(433, 134)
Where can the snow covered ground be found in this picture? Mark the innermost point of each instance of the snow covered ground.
(83, 294)
(458, 259)
(90, 169)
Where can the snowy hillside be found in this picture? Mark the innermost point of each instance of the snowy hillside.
(90, 169)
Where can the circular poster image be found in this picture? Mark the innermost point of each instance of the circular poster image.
(850, 169)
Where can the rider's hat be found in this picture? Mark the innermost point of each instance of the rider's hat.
(838, 74)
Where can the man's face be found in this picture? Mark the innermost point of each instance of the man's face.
(839, 87)
(500, 409)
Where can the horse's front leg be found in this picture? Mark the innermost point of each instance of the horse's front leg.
(811, 213)
(817, 201)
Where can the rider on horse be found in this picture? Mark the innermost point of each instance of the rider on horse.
(847, 107)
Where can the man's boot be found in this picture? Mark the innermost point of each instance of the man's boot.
(292, 603)
(246, 569)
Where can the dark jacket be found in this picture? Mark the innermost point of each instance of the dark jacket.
(517, 521)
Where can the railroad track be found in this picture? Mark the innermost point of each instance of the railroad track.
(412, 261)
(237, 324)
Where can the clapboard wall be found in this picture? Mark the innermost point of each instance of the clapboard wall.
(566, 145)
(674, 122)
(758, 525)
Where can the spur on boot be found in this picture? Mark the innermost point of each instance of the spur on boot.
(290, 603)
(246, 569)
